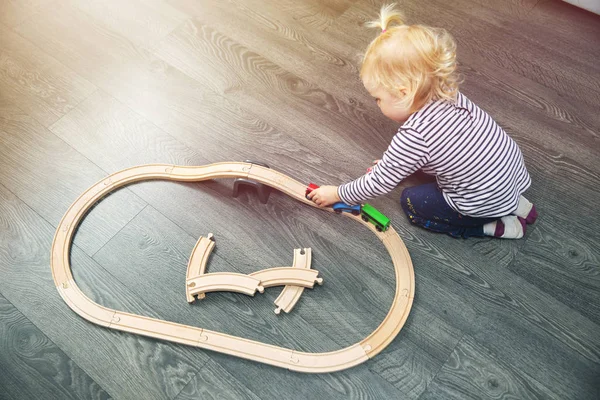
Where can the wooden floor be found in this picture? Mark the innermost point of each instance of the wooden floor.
(91, 87)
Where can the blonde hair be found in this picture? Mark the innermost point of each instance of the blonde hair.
(417, 58)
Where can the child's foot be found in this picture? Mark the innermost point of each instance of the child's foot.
(526, 210)
(510, 227)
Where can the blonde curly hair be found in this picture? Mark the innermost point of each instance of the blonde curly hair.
(417, 58)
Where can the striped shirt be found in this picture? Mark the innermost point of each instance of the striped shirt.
(478, 167)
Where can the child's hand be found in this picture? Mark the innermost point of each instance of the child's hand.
(324, 196)
(375, 162)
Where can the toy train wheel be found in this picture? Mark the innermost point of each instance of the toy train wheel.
(337, 211)
(378, 228)
(355, 212)
(365, 219)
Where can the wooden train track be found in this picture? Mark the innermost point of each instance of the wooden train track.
(290, 295)
(211, 340)
(294, 278)
(197, 263)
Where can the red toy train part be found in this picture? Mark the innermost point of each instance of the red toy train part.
(310, 188)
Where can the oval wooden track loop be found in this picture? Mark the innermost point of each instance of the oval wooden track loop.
(211, 340)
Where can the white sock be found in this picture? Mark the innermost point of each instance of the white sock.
(513, 229)
(523, 208)
(489, 229)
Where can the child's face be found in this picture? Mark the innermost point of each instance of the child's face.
(389, 104)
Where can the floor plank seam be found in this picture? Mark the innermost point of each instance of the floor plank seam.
(29, 206)
(139, 300)
(66, 67)
(116, 233)
(134, 45)
(153, 47)
(442, 365)
(51, 126)
(72, 148)
(497, 360)
(382, 377)
(208, 358)
(151, 123)
(537, 3)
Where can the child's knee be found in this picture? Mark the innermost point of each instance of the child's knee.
(405, 201)
(404, 196)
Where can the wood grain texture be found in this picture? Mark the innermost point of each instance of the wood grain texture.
(358, 382)
(542, 119)
(34, 367)
(522, 324)
(320, 14)
(193, 82)
(29, 168)
(13, 12)
(323, 60)
(124, 365)
(256, 83)
(430, 333)
(567, 31)
(408, 367)
(472, 372)
(513, 8)
(532, 109)
(214, 382)
(313, 13)
(168, 98)
(115, 137)
(542, 26)
(101, 128)
(546, 66)
(143, 23)
(561, 256)
(36, 82)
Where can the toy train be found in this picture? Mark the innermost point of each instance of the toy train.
(367, 212)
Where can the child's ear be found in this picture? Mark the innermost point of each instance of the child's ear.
(403, 91)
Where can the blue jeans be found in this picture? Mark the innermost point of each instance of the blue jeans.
(426, 207)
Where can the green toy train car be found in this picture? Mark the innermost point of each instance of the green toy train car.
(372, 215)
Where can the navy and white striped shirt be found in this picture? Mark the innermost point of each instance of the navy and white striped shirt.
(478, 167)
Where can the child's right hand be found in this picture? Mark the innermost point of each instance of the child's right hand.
(324, 196)
(375, 162)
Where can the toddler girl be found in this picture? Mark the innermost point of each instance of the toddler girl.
(410, 70)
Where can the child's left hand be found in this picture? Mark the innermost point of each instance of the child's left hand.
(324, 196)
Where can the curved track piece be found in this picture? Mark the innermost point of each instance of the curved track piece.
(204, 338)
(197, 264)
(281, 276)
(224, 282)
(290, 295)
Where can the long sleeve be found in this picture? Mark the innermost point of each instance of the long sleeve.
(407, 153)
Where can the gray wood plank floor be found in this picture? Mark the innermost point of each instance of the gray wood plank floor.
(91, 87)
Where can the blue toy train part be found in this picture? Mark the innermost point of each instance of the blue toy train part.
(340, 207)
